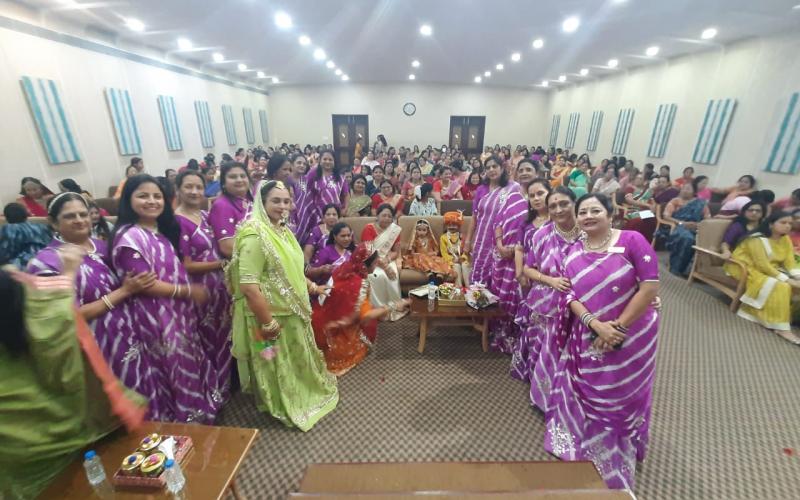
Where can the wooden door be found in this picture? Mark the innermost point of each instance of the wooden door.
(466, 133)
(347, 129)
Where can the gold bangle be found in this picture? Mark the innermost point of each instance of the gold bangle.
(107, 302)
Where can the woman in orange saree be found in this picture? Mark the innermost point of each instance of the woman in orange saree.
(345, 325)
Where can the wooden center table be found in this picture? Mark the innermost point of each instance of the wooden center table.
(210, 468)
(453, 315)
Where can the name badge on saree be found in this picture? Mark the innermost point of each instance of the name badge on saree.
(616, 249)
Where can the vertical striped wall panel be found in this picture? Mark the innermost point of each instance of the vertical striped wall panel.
(659, 137)
(123, 121)
(594, 131)
(230, 126)
(623, 131)
(716, 122)
(572, 130)
(47, 107)
(262, 118)
(784, 157)
(169, 120)
(249, 129)
(554, 130)
(203, 113)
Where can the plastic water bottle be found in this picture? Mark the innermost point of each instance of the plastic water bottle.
(175, 479)
(94, 468)
(431, 296)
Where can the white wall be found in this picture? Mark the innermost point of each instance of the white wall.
(83, 76)
(760, 73)
(303, 113)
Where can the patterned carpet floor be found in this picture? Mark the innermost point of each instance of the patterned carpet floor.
(725, 413)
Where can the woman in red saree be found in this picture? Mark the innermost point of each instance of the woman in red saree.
(346, 324)
(35, 196)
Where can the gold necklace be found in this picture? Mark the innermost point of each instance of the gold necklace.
(602, 244)
(570, 235)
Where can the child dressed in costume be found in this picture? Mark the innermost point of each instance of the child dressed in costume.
(423, 253)
(452, 248)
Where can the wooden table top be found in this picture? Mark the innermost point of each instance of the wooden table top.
(419, 308)
(211, 465)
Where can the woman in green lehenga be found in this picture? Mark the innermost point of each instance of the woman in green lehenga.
(272, 337)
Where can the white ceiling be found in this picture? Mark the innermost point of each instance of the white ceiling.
(376, 40)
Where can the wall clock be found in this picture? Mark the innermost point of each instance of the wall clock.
(409, 108)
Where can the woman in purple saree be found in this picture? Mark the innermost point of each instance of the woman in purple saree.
(599, 406)
(499, 212)
(146, 239)
(325, 185)
(231, 207)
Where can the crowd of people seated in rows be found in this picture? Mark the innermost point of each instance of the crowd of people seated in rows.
(247, 274)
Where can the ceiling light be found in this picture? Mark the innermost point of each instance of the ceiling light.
(345, 78)
(538, 43)
(620, 1)
(796, 7)
(134, 24)
(304, 40)
(415, 64)
(478, 79)
(426, 30)
(570, 24)
(499, 67)
(652, 51)
(708, 33)
(330, 64)
(412, 76)
(217, 57)
(516, 56)
(338, 72)
(242, 67)
(184, 44)
(487, 74)
(275, 79)
(545, 83)
(584, 71)
(613, 63)
(562, 78)
(282, 20)
(319, 54)
(261, 74)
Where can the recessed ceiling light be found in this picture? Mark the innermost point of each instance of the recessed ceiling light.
(261, 74)
(487, 74)
(570, 24)
(242, 67)
(217, 57)
(412, 76)
(338, 72)
(415, 64)
(538, 43)
(708, 33)
(330, 64)
(283, 20)
(620, 1)
(184, 44)
(545, 83)
(516, 56)
(345, 78)
(134, 24)
(796, 7)
(72, 4)
(499, 67)
(426, 30)
(319, 54)
(478, 79)
(584, 71)
(562, 78)
(652, 51)
(304, 40)
(275, 79)
(613, 63)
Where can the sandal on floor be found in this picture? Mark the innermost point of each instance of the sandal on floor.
(789, 336)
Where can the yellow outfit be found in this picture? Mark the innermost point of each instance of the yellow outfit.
(769, 263)
(450, 248)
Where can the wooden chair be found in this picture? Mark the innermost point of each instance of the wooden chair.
(660, 221)
(708, 262)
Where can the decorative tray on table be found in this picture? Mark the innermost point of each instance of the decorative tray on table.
(451, 296)
(144, 467)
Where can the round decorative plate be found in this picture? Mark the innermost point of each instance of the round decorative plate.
(409, 108)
